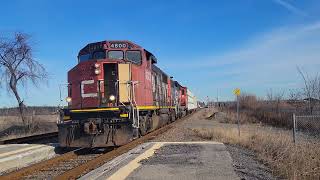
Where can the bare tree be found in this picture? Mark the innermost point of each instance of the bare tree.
(294, 97)
(269, 95)
(278, 97)
(18, 67)
(275, 100)
(270, 99)
(317, 91)
(310, 89)
(248, 101)
(317, 88)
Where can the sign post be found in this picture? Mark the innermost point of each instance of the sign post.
(237, 93)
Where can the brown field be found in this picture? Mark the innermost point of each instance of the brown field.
(12, 126)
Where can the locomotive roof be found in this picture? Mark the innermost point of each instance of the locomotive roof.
(156, 68)
(102, 45)
(115, 41)
(177, 84)
(106, 44)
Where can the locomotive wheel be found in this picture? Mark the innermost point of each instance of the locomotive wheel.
(164, 119)
(144, 124)
(173, 116)
(155, 121)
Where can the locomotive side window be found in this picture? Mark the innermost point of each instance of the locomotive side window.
(99, 55)
(84, 57)
(134, 56)
(115, 54)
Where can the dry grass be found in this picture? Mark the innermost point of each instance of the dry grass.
(231, 117)
(274, 147)
(12, 126)
(275, 111)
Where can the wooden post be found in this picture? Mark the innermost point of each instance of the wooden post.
(238, 115)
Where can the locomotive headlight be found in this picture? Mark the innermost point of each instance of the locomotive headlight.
(96, 65)
(68, 99)
(97, 71)
(112, 98)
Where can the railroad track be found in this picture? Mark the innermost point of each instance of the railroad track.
(74, 164)
(30, 139)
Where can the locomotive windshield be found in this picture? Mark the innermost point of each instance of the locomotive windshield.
(134, 56)
(95, 55)
(115, 54)
(99, 55)
(131, 55)
(84, 57)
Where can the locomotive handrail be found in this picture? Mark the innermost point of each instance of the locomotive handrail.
(137, 119)
(80, 94)
(99, 92)
(116, 84)
(60, 93)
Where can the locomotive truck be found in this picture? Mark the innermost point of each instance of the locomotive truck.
(116, 93)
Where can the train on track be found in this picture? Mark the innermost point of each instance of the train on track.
(116, 93)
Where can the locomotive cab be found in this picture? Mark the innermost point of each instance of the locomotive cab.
(103, 72)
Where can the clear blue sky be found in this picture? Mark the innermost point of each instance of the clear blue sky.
(209, 46)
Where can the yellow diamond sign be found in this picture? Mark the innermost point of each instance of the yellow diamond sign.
(236, 91)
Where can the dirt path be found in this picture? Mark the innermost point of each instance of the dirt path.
(244, 161)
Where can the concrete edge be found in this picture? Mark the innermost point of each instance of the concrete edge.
(26, 158)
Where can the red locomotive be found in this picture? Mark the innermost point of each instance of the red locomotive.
(116, 93)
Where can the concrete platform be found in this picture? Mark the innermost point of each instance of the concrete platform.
(170, 160)
(14, 156)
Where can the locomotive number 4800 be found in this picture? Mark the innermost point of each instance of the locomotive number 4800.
(118, 45)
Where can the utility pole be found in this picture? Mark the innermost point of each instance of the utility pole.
(238, 115)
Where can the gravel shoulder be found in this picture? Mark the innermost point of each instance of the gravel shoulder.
(245, 163)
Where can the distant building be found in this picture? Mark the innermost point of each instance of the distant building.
(311, 99)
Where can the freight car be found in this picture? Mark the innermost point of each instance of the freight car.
(116, 93)
(192, 103)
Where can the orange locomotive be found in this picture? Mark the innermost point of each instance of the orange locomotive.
(115, 94)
